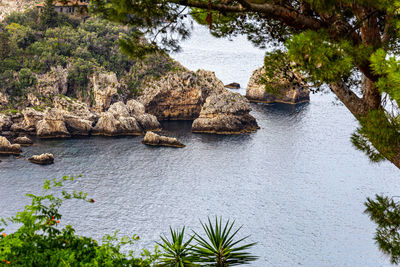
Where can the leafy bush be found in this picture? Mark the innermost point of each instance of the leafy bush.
(40, 241)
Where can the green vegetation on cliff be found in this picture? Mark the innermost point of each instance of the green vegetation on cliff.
(30, 48)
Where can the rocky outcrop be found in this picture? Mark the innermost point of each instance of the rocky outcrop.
(105, 88)
(121, 119)
(5, 122)
(6, 148)
(43, 159)
(31, 118)
(52, 125)
(23, 141)
(287, 92)
(153, 139)
(179, 96)
(78, 118)
(53, 82)
(226, 113)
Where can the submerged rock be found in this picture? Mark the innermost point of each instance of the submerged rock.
(23, 141)
(287, 92)
(153, 139)
(226, 113)
(6, 148)
(42, 159)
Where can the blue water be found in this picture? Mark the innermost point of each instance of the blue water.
(297, 184)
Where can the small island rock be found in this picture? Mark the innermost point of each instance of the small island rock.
(153, 139)
(6, 148)
(288, 93)
(226, 113)
(233, 86)
(42, 159)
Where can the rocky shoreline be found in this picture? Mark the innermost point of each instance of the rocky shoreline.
(179, 95)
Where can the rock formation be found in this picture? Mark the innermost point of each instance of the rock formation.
(23, 141)
(233, 86)
(121, 119)
(153, 139)
(52, 125)
(105, 88)
(6, 148)
(43, 159)
(226, 113)
(179, 96)
(288, 93)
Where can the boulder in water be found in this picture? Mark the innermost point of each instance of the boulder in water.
(43, 159)
(226, 113)
(233, 86)
(153, 139)
(6, 148)
(287, 92)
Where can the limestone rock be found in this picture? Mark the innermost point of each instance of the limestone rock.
(157, 140)
(288, 93)
(5, 122)
(23, 141)
(73, 107)
(233, 86)
(31, 117)
(226, 113)
(105, 88)
(77, 125)
(52, 125)
(53, 82)
(42, 159)
(179, 96)
(121, 119)
(6, 148)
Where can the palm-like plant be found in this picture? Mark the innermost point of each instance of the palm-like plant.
(221, 250)
(176, 252)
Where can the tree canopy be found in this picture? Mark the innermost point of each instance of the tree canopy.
(347, 46)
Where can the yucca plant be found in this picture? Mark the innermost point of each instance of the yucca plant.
(176, 252)
(221, 249)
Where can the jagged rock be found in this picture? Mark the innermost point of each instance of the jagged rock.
(288, 93)
(53, 82)
(179, 96)
(23, 141)
(6, 148)
(153, 139)
(226, 113)
(3, 99)
(33, 100)
(121, 119)
(52, 125)
(105, 88)
(42, 159)
(233, 86)
(148, 122)
(76, 125)
(5, 122)
(31, 117)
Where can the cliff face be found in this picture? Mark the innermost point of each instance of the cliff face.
(9, 6)
(286, 92)
(180, 95)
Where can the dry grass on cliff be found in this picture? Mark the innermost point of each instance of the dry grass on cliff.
(9, 6)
